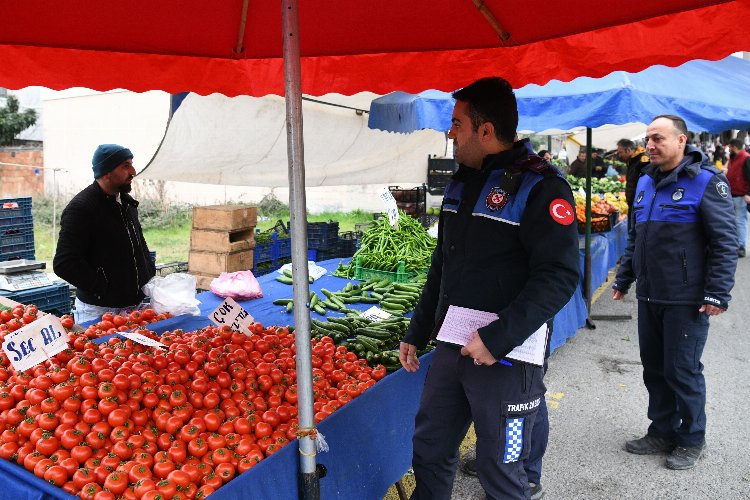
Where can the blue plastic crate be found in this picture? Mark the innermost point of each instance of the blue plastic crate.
(23, 254)
(17, 238)
(15, 211)
(53, 299)
(282, 248)
(263, 252)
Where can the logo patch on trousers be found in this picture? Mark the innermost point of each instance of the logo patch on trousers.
(513, 440)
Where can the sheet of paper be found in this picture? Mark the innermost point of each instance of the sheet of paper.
(376, 314)
(461, 322)
(533, 349)
(391, 207)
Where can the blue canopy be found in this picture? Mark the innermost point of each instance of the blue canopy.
(710, 95)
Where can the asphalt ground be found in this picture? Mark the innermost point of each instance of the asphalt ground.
(597, 401)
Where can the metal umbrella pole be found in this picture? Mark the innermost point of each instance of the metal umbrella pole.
(309, 480)
(587, 244)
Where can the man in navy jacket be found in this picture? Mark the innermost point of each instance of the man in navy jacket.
(682, 251)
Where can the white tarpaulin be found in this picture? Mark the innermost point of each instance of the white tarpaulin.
(241, 141)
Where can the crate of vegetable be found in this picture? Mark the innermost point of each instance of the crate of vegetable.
(398, 253)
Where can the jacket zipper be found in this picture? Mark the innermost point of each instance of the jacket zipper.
(684, 267)
(645, 231)
(132, 247)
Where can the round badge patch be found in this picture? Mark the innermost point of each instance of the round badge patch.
(723, 189)
(561, 212)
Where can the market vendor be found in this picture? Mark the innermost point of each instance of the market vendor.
(101, 249)
(507, 244)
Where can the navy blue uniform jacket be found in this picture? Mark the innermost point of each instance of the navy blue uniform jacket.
(682, 249)
(502, 248)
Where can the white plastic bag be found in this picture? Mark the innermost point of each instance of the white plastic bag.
(174, 293)
(239, 285)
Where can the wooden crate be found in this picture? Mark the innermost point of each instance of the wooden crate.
(215, 263)
(225, 217)
(203, 281)
(206, 240)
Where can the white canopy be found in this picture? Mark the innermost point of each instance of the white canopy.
(241, 141)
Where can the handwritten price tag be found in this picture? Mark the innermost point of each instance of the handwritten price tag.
(142, 339)
(390, 206)
(231, 313)
(35, 342)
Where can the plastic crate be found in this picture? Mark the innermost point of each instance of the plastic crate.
(413, 195)
(18, 238)
(600, 223)
(282, 248)
(439, 173)
(263, 252)
(23, 254)
(53, 299)
(322, 235)
(416, 210)
(400, 276)
(15, 211)
(171, 267)
(428, 220)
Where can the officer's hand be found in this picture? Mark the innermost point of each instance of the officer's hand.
(407, 354)
(477, 350)
(711, 310)
(746, 198)
(617, 295)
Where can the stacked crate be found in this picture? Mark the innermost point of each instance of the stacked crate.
(16, 229)
(221, 241)
(323, 237)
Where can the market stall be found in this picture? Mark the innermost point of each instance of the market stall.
(366, 454)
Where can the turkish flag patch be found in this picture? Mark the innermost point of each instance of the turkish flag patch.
(561, 212)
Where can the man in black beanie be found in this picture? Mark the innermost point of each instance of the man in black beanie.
(101, 249)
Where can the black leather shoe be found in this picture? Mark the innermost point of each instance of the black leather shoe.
(648, 445)
(469, 466)
(537, 491)
(685, 457)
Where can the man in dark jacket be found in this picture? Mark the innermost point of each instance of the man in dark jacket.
(683, 254)
(101, 249)
(501, 211)
(738, 175)
(635, 158)
(578, 167)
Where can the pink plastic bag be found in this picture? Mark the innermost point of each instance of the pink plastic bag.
(239, 285)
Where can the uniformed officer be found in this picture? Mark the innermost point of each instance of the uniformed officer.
(507, 244)
(683, 254)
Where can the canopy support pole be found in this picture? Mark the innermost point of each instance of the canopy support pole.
(587, 249)
(308, 480)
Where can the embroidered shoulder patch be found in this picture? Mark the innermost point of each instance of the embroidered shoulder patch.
(496, 199)
(723, 189)
(561, 212)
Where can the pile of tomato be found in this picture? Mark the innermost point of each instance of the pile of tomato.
(11, 319)
(121, 420)
(113, 323)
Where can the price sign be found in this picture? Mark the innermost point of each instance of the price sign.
(376, 314)
(142, 339)
(231, 313)
(390, 206)
(35, 342)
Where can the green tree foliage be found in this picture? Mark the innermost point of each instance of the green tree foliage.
(13, 121)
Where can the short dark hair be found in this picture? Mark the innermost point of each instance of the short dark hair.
(542, 152)
(491, 100)
(678, 123)
(626, 144)
(737, 143)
